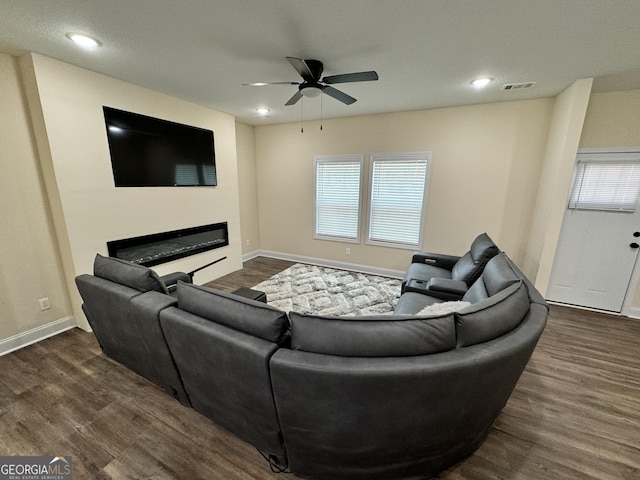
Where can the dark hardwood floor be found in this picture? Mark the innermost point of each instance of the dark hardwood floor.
(575, 413)
(254, 271)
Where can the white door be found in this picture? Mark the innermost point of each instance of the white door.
(596, 253)
(595, 259)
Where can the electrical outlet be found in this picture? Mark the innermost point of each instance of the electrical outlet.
(348, 251)
(247, 242)
(44, 303)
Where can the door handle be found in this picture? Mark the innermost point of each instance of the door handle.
(634, 245)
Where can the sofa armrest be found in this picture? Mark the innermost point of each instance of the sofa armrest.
(446, 288)
(436, 259)
(447, 285)
(171, 280)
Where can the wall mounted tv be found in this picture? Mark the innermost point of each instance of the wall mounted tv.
(149, 152)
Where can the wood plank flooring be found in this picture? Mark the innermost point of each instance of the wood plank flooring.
(575, 413)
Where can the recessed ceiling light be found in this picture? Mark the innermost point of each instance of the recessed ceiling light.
(263, 111)
(481, 82)
(85, 41)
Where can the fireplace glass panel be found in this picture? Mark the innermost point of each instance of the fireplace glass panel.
(158, 248)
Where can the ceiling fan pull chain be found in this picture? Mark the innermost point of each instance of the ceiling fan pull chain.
(321, 112)
(302, 116)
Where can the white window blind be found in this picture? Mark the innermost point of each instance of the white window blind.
(398, 184)
(606, 185)
(337, 199)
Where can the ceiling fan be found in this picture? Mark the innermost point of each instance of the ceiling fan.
(312, 85)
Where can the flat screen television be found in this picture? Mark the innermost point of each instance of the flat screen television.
(149, 152)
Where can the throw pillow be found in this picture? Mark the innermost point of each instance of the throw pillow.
(443, 308)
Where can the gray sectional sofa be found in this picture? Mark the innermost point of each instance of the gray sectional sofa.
(400, 396)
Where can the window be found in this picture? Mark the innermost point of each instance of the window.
(398, 184)
(606, 182)
(337, 200)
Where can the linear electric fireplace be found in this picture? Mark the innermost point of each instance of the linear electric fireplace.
(158, 248)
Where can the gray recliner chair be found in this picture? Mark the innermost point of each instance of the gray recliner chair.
(464, 270)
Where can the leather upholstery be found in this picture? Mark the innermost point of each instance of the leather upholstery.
(492, 317)
(126, 273)
(395, 417)
(125, 323)
(240, 313)
(467, 268)
(226, 374)
(377, 398)
(381, 336)
(411, 303)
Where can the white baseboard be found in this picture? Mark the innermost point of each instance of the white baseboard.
(354, 267)
(632, 312)
(34, 335)
(250, 255)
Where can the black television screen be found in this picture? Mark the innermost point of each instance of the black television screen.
(149, 152)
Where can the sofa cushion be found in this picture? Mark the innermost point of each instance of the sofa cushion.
(444, 307)
(410, 303)
(472, 263)
(423, 271)
(372, 336)
(534, 295)
(492, 317)
(129, 274)
(498, 274)
(476, 293)
(239, 313)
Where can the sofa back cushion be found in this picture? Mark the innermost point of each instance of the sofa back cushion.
(496, 276)
(134, 276)
(472, 263)
(493, 316)
(242, 314)
(373, 336)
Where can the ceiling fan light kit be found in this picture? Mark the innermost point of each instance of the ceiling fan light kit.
(311, 92)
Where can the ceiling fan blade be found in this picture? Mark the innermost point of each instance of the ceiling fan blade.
(352, 77)
(338, 95)
(296, 96)
(262, 84)
(302, 68)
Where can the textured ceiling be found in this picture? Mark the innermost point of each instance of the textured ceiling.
(425, 51)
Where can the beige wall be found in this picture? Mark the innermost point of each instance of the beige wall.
(565, 128)
(248, 188)
(486, 161)
(29, 260)
(613, 120)
(66, 104)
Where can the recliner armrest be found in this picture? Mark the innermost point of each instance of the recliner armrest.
(171, 280)
(436, 259)
(447, 285)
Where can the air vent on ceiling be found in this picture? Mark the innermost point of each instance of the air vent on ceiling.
(518, 86)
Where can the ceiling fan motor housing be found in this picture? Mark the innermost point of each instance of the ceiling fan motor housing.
(315, 68)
